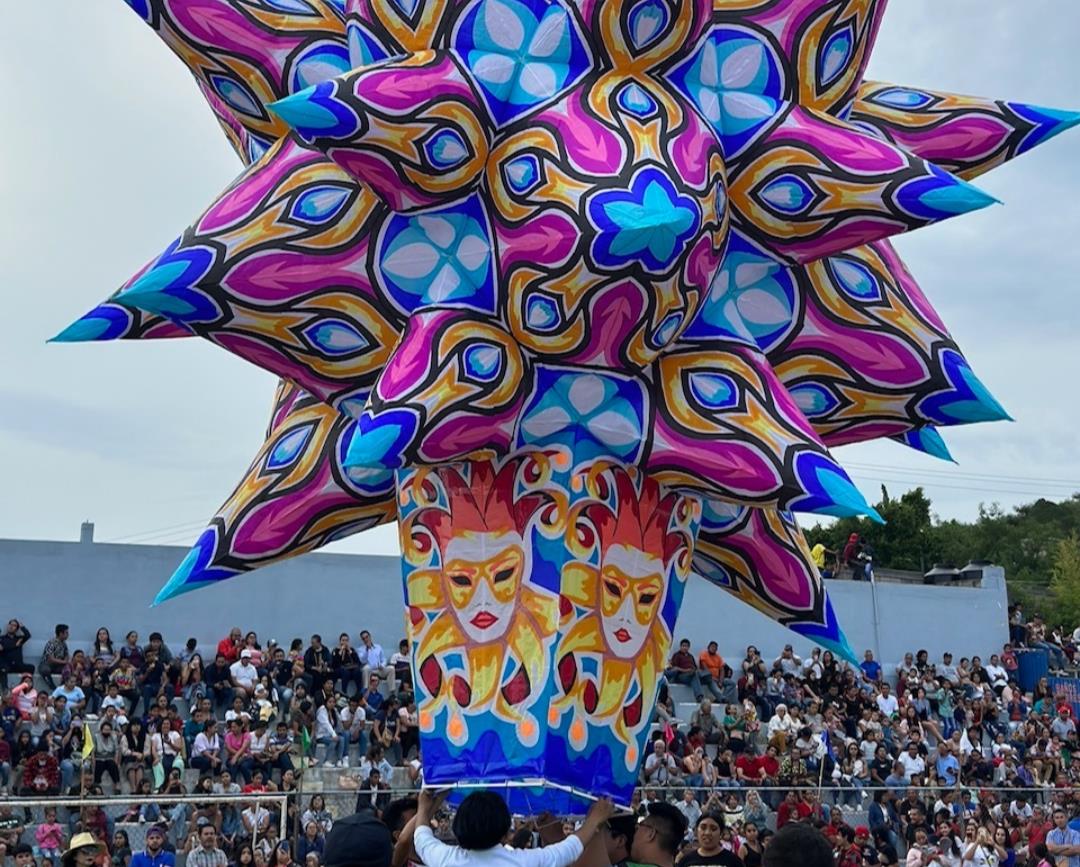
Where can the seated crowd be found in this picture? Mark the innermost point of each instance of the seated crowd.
(937, 755)
(251, 715)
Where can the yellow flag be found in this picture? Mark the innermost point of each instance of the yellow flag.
(87, 741)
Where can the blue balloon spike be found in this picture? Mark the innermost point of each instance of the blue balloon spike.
(927, 440)
(1048, 122)
(169, 287)
(193, 571)
(315, 113)
(84, 330)
(829, 490)
(382, 439)
(942, 196)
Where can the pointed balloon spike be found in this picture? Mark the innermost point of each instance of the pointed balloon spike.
(829, 490)
(315, 113)
(191, 574)
(967, 401)
(927, 440)
(382, 440)
(167, 288)
(943, 195)
(88, 328)
(1049, 122)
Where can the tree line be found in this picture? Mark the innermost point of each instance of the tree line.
(1038, 544)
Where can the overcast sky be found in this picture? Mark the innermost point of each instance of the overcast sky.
(108, 152)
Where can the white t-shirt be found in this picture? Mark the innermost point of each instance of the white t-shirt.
(435, 853)
(984, 856)
(916, 765)
(245, 675)
(998, 675)
(663, 772)
(888, 704)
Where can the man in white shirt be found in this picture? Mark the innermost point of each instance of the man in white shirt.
(354, 721)
(660, 768)
(913, 763)
(789, 663)
(244, 675)
(886, 701)
(999, 677)
(481, 823)
(374, 661)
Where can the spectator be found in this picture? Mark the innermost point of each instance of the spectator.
(402, 663)
(219, 681)
(345, 664)
(374, 661)
(788, 662)
(49, 836)
(659, 834)
(797, 845)
(871, 668)
(238, 759)
(84, 851)
(374, 793)
(230, 646)
(1062, 841)
(243, 675)
(660, 768)
(708, 832)
(155, 854)
(54, 656)
(683, 669)
(202, 850)
(714, 675)
(12, 642)
(312, 841)
(317, 663)
(206, 752)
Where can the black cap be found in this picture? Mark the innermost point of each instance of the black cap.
(359, 840)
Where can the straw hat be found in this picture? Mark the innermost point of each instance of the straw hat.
(81, 841)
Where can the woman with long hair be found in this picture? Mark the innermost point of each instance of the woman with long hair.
(103, 648)
(755, 811)
(984, 851)
(752, 846)
(120, 852)
(244, 857)
(134, 753)
(710, 849)
(192, 680)
(952, 853)
(317, 813)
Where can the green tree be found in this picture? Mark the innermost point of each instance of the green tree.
(1026, 542)
(1065, 580)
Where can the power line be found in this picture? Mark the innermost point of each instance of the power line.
(171, 530)
(960, 474)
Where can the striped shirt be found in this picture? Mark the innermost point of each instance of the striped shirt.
(206, 858)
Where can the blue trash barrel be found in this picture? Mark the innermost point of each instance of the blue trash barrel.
(1033, 664)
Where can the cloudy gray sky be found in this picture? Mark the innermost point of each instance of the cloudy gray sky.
(108, 152)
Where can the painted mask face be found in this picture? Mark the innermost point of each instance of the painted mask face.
(482, 573)
(631, 590)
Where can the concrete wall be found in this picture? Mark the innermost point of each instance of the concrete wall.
(88, 585)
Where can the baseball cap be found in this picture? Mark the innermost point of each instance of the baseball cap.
(155, 829)
(245, 654)
(862, 831)
(359, 840)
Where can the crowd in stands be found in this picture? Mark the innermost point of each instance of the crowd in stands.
(924, 756)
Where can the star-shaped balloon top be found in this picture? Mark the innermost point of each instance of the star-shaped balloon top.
(652, 231)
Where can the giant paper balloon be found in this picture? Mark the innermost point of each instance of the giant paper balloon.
(583, 275)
